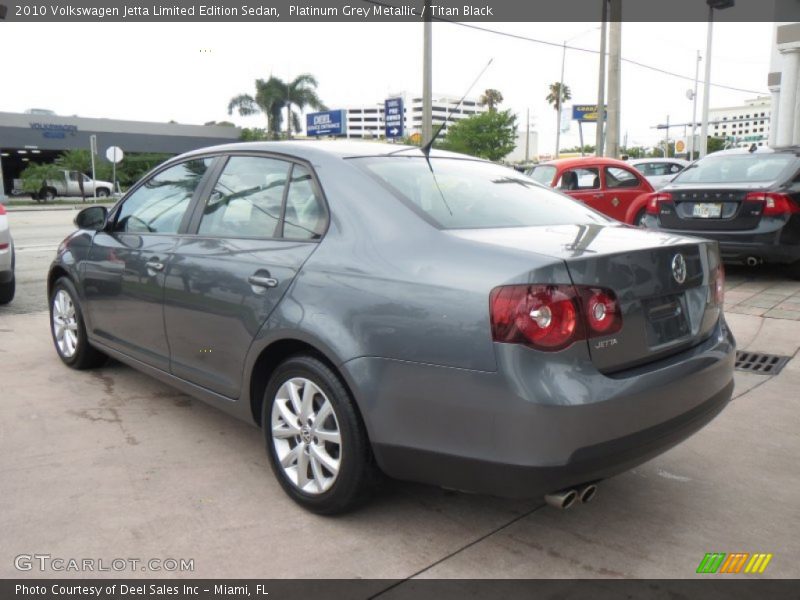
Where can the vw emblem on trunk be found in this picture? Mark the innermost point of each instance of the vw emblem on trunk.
(679, 268)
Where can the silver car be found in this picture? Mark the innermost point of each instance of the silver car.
(7, 281)
(436, 318)
(659, 171)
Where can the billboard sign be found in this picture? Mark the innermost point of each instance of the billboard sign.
(587, 113)
(329, 122)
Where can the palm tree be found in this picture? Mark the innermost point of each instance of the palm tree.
(555, 98)
(273, 95)
(491, 98)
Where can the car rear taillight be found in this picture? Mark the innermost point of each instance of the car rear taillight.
(774, 204)
(552, 317)
(2, 209)
(718, 285)
(654, 200)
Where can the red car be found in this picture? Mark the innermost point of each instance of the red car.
(609, 186)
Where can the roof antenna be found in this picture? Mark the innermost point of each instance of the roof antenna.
(426, 149)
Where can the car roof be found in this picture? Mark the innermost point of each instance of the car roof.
(311, 149)
(759, 150)
(586, 161)
(636, 161)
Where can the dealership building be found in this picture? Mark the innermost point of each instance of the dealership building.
(40, 136)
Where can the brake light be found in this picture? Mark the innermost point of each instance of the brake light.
(655, 199)
(552, 317)
(2, 209)
(719, 286)
(774, 204)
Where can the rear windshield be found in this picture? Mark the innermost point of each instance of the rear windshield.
(467, 194)
(736, 168)
(543, 174)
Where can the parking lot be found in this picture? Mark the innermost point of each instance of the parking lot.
(112, 464)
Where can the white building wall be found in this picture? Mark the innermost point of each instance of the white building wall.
(743, 125)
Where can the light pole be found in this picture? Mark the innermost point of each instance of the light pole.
(560, 96)
(719, 5)
(693, 98)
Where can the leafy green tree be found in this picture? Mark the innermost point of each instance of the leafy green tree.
(491, 98)
(491, 135)
(273, 96)
(253, 135)
(35, 176)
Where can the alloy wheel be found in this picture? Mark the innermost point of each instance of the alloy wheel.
(65, 324)
(306, 436)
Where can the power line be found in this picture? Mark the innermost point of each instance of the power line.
(590, 51)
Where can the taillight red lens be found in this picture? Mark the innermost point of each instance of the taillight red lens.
(602, 311)
(2, 209)
(552, 317)
(774, 204)
(654, 200)
(719, 285)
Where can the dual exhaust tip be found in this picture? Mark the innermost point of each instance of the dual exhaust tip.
(568, 497)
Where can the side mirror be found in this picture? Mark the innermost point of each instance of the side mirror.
(92, 218)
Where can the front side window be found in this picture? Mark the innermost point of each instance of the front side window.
(247, 199)
(580, 179)
(461, 194)
(159, 204)
(620, 178)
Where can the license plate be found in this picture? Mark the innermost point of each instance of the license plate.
(707, 210)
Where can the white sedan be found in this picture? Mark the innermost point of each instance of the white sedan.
(659, 171)
(7, 283)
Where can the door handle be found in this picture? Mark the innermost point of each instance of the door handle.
(261, 281)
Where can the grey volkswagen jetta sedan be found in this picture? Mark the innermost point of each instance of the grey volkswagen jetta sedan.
(439, 319)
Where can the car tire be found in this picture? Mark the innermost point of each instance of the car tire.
(318, 473)
(7, 290)
(69, 330)
(638, 220)
(49, 194)
(103, 193)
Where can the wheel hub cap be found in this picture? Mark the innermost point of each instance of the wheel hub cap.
(65, 324)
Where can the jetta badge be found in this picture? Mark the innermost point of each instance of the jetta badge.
(679, 268)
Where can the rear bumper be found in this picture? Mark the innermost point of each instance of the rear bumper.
(536, 427)
(775, 240)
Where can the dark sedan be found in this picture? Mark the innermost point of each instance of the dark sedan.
(440, 318)
(747, 200)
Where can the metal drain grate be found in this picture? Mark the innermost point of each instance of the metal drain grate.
(758, 362)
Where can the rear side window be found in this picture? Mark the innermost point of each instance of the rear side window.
(159, 204)
(738, 168)
(305, 216)
(620, 178)
(460, 194)
(247, 199)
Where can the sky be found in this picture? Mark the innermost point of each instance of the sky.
(188, 72)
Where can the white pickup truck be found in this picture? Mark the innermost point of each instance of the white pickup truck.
(70, 185)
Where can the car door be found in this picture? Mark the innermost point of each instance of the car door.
(622, 187)
(73, 186)
(583, 183)
(261, 220)
(123, 277)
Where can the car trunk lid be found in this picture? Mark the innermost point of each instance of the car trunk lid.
(700, 208)
(663, 283)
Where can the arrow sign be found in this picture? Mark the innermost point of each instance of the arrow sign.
(393, 117)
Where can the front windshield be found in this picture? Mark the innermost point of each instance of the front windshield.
(467, 194)
(736, 168)
(543, 174)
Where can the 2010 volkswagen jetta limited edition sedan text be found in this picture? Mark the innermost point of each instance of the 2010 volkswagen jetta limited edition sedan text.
(438, 318)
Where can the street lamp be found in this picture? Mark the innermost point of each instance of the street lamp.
(718, 5)
(560, 96)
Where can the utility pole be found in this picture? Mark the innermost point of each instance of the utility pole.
(692, 146)
(427, 78)
(601, 87)
(707, 85)
(560, 100)
(614, 78)
(528, 135)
